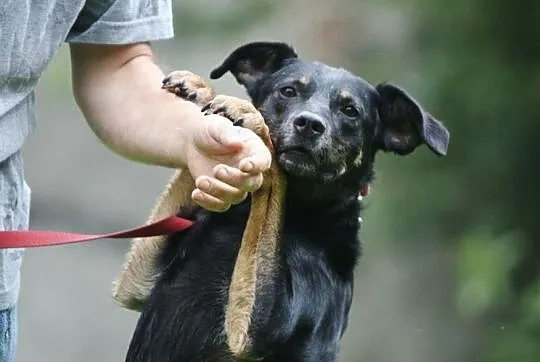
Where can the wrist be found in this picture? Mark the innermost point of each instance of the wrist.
(186, 123)
(161, 139)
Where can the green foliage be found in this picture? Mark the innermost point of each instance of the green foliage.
(484, 263)
(480, 69)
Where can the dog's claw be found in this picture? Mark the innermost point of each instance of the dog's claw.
(165, 81)
(194, 88)
(239, 122)
(172, 85)
(205, 108)
(221, 111)
(189, 86)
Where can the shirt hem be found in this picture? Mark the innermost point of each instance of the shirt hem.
(116, 33)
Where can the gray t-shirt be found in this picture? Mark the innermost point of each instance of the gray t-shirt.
(31, 32)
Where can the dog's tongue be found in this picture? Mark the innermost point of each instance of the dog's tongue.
(364, 190)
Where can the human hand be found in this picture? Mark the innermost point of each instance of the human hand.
(226, 162)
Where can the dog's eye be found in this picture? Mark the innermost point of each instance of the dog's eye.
(350, 111)
(288, 92)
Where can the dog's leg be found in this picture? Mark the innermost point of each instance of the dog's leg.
(256, 260)
(140, 271)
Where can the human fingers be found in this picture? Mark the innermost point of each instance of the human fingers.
(220, 190)
(253, 154)
(209, 202)
(238, 179)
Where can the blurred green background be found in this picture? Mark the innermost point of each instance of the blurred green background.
(451, 269)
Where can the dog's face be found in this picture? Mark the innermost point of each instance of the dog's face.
(320, 119)
(326, 123)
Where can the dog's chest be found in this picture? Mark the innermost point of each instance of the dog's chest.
(319, 293)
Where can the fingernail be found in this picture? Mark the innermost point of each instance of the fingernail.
(197, 195)
(204, 185)
(248, 166)
(223, 172)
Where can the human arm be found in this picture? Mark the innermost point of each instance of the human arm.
(117, 87)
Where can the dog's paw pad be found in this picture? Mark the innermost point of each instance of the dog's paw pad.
(189, 86)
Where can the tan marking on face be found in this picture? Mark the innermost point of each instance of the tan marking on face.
(304, 81)
(358, 159)
(345, 95)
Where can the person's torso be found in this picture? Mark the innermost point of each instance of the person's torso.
(31, 32)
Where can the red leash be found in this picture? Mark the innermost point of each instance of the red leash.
(37, 238)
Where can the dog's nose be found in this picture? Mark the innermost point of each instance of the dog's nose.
(309, 125)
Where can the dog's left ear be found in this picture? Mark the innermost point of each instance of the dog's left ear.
(253, 61)
(405, 125)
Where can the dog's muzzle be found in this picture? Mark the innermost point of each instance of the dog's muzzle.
(309, 125)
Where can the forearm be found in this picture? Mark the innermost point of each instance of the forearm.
(118, 91)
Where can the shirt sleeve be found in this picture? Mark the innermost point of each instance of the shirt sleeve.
(122, 22)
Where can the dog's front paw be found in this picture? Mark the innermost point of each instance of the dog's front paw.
(241, 113)
(189, 86)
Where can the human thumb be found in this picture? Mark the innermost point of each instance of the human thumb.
(222, 133)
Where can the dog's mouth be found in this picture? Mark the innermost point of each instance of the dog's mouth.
(299, 161)
(295, 150)
(296, 160)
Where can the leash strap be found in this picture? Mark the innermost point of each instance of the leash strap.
(38, 238)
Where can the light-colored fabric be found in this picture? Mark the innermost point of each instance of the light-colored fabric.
(14, 215)
(31, 32)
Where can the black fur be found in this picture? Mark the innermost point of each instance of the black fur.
(318, 136)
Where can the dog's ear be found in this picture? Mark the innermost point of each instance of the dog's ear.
(405, 125)
(253, 61)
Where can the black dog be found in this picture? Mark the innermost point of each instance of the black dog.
(326, 126)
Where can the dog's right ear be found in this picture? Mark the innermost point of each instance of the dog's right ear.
(253, 61)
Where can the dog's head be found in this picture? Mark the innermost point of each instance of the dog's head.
(326, 123)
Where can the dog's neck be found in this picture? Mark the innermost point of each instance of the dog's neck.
(327, 195)
(329, 224)
(318, 195)
(322, 202)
